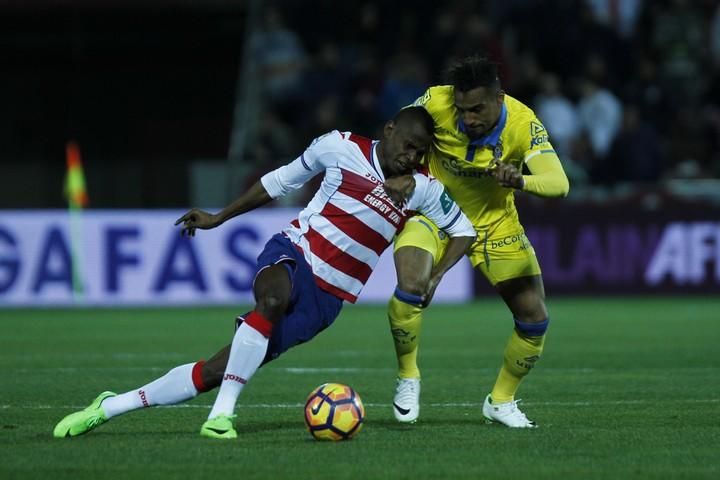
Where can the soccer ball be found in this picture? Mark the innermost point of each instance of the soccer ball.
(334, 411)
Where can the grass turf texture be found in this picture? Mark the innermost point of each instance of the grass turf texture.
(627, 388)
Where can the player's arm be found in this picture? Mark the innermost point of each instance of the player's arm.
(547, 177)
(272, 185)
(255, 197)
(432, 200)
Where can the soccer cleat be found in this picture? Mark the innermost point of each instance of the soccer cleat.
(219, 427)
(406, 404)
(83, 421)
(506, 413)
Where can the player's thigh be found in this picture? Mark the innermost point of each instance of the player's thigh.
(312, 311)
(504, 255)
(509, 263)
(417, 248)
(272, 289)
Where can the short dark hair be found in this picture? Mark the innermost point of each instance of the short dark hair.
(473, 72)
(416, 114)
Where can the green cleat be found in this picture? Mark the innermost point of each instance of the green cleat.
(219, 427)
(83, 421)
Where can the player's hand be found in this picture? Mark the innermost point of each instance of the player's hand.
(432, 286)
(507, 175)
(399, 189)
(195, 219)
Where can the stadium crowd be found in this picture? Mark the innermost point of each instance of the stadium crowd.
(628, 90)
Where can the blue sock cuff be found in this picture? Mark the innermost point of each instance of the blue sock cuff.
(532, 329)
(408, 298)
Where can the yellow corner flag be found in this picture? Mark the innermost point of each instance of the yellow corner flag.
(75, 178)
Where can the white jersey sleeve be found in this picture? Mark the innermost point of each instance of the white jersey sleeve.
(432, 200)
(297, 173)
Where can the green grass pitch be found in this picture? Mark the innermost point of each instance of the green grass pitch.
(627, 388)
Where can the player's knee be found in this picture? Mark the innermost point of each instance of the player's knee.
(532, 315)
(416, 285)
(414, 299)
(532, 329)
(212, 374)
(530, 309)
(272, 306)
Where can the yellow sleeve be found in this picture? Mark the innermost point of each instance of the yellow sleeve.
(547, 177)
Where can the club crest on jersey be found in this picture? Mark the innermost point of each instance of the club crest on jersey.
(498, 151)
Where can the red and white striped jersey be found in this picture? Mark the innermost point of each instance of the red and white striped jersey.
(350, 221)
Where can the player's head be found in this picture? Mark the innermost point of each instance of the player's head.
(478, 94)
(406, 138)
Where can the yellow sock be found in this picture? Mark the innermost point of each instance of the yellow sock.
(521, 353)
(405, 322)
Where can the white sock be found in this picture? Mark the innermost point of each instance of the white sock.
(174, 387)
(246, 354)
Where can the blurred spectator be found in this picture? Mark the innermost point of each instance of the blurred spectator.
(406, 79)
(712, 114)
(715, 38)
(621, 15)
(678, 41)
(525, 84)
(280, 56)
(644, 90)
(636, 153)
(600, 115)
(352, 65)
(478, 35)
(558, 114)
(562, 121)
(689, 155)
(326, 75)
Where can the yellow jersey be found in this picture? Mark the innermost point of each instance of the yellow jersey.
(462, 164)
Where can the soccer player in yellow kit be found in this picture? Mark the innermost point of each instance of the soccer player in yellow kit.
(483, 139)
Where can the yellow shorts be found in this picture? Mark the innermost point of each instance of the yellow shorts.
(505, 255)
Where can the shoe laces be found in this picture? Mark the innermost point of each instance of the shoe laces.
(511, 408)
(406, 391)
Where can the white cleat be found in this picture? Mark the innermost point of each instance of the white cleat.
(406, 404)
(506, 413)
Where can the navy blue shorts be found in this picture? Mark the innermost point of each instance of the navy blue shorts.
(311, 309)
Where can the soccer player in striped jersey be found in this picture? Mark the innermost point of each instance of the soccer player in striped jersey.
(483, 140)
(305, 273)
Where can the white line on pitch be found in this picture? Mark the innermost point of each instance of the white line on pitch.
(387, 405)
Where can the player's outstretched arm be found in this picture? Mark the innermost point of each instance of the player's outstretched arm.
(255, 197)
